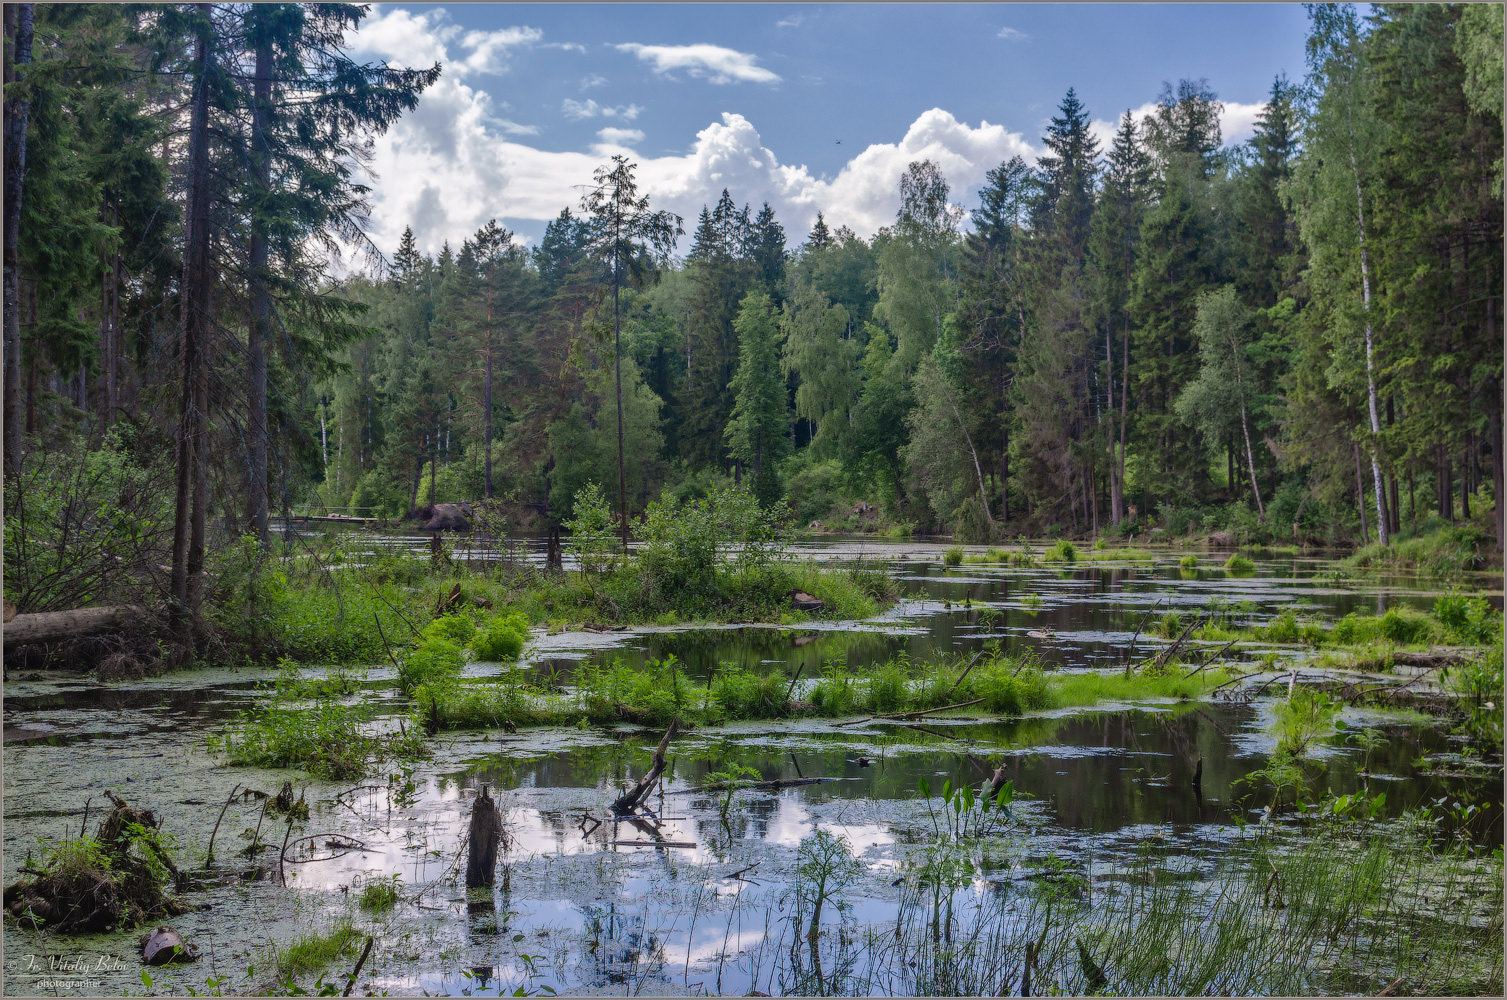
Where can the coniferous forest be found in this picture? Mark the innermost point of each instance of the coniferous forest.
(1297, 339)
(558, 596)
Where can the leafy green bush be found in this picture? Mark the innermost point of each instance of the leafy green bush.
(814, 488)
(679, 561)
(1303, 718)
(1009, 688)
(77, 517)
(747, 695)
(501, 639)
(1400, 625)
(1189, 561)
(1468, 619)
(434, 660)
(1061, 551)
(1288, 628)
(456, 628)
(953, 556)
(591, 530)
(389, 567)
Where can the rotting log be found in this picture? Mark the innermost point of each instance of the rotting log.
(48, 625)
(629, 800)
(486, 838)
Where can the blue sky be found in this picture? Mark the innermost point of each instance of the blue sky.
(809, 107)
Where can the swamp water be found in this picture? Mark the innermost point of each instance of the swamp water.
(1105, 820)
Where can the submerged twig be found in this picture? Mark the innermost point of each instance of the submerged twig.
(210, 857)
(359, 963)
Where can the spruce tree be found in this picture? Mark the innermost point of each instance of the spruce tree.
(756, 430)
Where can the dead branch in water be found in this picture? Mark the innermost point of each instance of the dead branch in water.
(629, 800)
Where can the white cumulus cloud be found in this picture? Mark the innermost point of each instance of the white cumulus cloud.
(448, 168)
(863, 196)
(422, 39)
(613, 139)
(708, 62)
(581, 110)
(1012, 35)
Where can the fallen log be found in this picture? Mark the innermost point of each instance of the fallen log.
(44, 626)
(654, 843)
(629, 800)
(774, 785)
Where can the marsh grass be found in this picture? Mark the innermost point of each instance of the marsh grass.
(381, 895)
(318, 949)
(1240, 565)
(1062, 550)
(1111, 554)
(1332, 908)
(300, 723)
(1443, 551)
(659, 691)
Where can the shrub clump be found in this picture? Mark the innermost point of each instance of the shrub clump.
(434, 660)
(1238, 563)
(1401, 626)
(1061, 551)
(120, 877)
(456, 628)
(501, 639)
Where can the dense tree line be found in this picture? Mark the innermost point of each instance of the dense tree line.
(1296, 335)
(1166, 325)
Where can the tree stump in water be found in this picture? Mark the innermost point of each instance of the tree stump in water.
(486, 838)
(553, 553)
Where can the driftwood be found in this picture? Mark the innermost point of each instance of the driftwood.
(654, 843)
(997, 781)
(629, 800)
(1210, 660)
(971, 664)
(1160, 659)
(48, 625)
(486, 837)
(777, 783)
(1130, 653)
(912, 715)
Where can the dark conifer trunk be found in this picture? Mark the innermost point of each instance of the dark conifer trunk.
(195, 304)
(259, 329)
(18, 35)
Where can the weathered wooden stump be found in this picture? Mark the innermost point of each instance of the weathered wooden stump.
(165, 945)
(486, 838)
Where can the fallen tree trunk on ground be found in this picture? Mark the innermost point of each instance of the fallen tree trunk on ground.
(49, 625)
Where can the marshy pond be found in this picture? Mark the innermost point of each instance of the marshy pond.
(856, 864)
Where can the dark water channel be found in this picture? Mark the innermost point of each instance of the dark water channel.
(700, 902)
